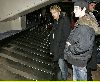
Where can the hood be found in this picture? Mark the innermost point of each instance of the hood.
(89, 21)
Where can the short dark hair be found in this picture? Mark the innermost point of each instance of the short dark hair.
(92, 1)
(81, 3)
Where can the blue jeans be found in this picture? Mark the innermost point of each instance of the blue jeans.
(79, 73)
(62, 74)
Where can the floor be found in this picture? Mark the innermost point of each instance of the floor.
(96, 74)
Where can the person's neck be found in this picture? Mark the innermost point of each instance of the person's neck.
(57, 18)
(82, 15)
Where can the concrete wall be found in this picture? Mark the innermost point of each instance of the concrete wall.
(5, 26)
(10, 25)
(16, 24)
(23, 22)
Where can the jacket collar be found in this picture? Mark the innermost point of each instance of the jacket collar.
(87, 20)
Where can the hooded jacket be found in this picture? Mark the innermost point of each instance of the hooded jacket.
(81, 39)
(89, 21)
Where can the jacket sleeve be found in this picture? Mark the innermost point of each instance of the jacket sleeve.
(82, 41)
(66, 31)
(67, 28)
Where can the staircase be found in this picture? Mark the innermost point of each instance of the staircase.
(26, 57)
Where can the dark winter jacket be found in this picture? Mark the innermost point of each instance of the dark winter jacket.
(82, 42)
(61, 30)
(92, 63)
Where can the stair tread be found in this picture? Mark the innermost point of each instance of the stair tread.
(24, 62)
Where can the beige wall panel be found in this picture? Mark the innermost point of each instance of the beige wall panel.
(16, 24)
(10, 25)
(5, 26)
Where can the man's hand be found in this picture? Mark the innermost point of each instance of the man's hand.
(50, 53)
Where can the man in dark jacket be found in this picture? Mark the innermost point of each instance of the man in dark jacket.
(79, 45)
(91, 8)
(92, 63)
(61, 30)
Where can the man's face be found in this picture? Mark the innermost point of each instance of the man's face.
(77, 11)
(55, 14)
(92, 7)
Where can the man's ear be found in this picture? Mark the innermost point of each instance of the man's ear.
(84, 9)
